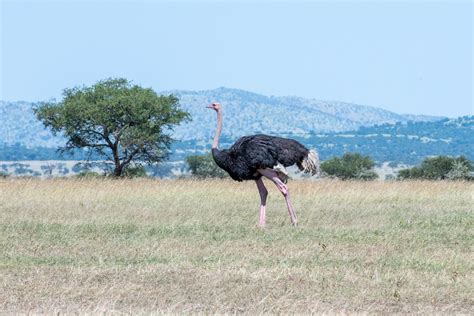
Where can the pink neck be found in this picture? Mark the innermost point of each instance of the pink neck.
(215, 143)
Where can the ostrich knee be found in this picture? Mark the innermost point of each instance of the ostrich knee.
(283, 189)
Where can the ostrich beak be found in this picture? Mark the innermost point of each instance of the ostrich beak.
(209, 107)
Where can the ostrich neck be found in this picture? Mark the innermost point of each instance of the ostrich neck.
(215, 143)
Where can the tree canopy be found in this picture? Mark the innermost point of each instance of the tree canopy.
(440, 168)
(350, 166)
(115, 120)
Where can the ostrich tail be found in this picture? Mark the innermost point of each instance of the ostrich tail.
(310, 163)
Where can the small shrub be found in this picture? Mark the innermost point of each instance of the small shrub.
(87, 174)
(439, 168)
(204, 167)
(459, 171)
(350, 166)
(135, 172)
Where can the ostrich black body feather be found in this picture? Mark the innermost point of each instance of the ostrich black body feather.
(254, 152)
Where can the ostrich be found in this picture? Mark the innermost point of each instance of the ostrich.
(252, 157)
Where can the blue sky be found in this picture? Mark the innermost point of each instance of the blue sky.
(408, 57)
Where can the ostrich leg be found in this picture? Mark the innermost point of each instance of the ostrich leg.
(263, 201)
(272, 175)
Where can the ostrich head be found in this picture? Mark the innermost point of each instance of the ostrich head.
(216, 106)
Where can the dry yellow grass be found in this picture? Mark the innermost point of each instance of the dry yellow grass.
(193, 246)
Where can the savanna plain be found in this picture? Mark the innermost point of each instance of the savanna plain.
(181, 246)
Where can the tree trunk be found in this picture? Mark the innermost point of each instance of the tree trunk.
(118, 166)
(118, 170)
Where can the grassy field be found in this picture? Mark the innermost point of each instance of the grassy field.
(193, 246)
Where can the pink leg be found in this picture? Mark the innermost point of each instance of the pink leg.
(263, 201)
(272, 175)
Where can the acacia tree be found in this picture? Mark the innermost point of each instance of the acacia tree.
(115, 120)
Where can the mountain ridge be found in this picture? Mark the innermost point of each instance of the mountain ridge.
(249, 113)
(245, 112)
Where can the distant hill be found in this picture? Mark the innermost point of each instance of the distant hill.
(249, 113)
(389, 145)
(331, 127)
(245, 113)
(20, 126)
(400, 143)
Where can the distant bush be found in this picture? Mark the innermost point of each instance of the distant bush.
(439, 168)
(3, 175)
(87, 174)
(204, 167)
(129, 172)
(135, 172)
(350, 166)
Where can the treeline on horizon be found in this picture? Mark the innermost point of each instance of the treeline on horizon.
(354, 166)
